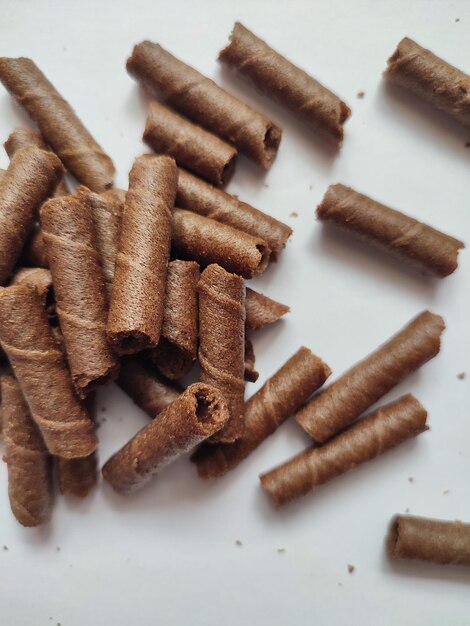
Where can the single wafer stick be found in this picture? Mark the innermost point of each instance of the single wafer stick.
(136, 312)
(250, 374)
(34, 253)
(199, 98)
(58, 123)
(28, 462)
(276, 77)
(77, 477)
(190, 145)
(200, 197)
(370, 379)
(222, 342)
(279, 397)
(380, 431)
(432, 79)
(206, 241)
(444, 542)
(41, 370)
(261, 310)
(31, 177)
(197, 414)
(392, 231)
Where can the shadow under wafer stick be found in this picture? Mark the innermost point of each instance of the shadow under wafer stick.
(195, 415)
(199, 98)
(370, 379)
(58, 123)
(177, 349)
(28, 462)
(261, 310)
(206, 241)
(34, 251)
(29, 180)
(427, 76)
(138, 297)
(443, 542)
(69, 235)
(41, 370)
(279, 397)
(190, 145)
(276, 77)
(373, 435)
(222, 342)
(200, 197)
(394, 232)
(250, 373)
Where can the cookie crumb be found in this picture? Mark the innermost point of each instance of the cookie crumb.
(462, 376)
(446, 492)
(340, 584)
(407, 510)
(5, 548)
(361, 94)
(294, 214)
(58, 548)
(351, 568)
(311, 187)
(411, 479)
(238, 542)
(457, 19)
(281, 550)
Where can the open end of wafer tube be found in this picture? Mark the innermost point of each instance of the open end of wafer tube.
(392, 538)
(130, 343)
(264, 260)
(210, 410)
(229, 169)
(272, 139)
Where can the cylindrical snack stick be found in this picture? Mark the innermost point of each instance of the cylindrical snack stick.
(77, 477)
(261, 310)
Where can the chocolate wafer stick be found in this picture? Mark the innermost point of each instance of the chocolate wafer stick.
(432, 79)
(77, 477)
(390, 230)
(279, 397)
(197, 414)
(250, 374)
(69, 235)
(41, 280)
(58, 123)
(261, 310)
(41, 370)
(276, 77)
(380, 431)
(190, 145)
(444, 542)
(28, 461)
(136, 312)
(207, 241)
(199, 98)
(31, 177)
(177, 349)
(34, 253)
(198, 196)
(365, 383)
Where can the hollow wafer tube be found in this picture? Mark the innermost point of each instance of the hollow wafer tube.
(261, 310)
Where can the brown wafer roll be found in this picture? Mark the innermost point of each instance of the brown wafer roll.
(222, 342)
(370, 379)
(58, 123)
(199, 98)
(432, 79)
(261, 310)
(41, 370)
(190, 145)
(41, 280)
(276, 77)
(77, 477)
(380, 431)
(279, 397)
(69, 235)
(198, 413)
(136, 312)
(390, 230)
(207, 241)
(34, 253)
(28, 462)
(177, 349)
(198, 196)
(31, 177)
(444, 542)
(250, 373)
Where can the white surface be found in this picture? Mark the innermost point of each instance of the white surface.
(167, 555)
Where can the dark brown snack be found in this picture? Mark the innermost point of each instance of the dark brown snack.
(28, 462)
(58, 123)
(380, 431)
(279, 397)
(206, 241)
(431, 78)
(392, 231)
(138, 298)
(34, 253)
(199, 98)
(191, 146)
(30, 178)
(42, 372)
(276, 77)
(370, 379)
(222, 342)
(145, 386)
(250, 373)
(177, 349)
(444, 542)
(261, 310)
(77, 477)
(198, 413)
(69, 234)
(198, 196)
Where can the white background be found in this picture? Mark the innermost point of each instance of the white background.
(167, 555)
